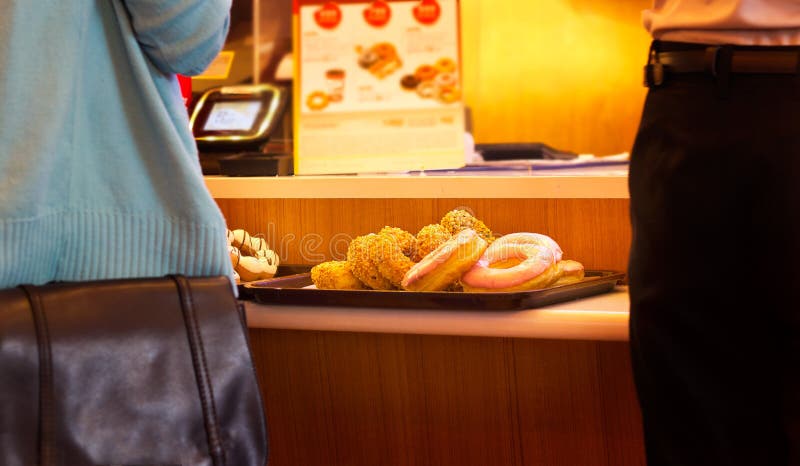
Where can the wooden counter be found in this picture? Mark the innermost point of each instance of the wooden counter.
(366, 387)
(601, 317)
(549, 184)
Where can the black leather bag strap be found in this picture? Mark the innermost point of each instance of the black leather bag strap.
(212, 427)
(46, 447)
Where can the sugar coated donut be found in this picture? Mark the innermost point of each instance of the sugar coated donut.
(459, 219)
(405, 240)
(363, 264)
(389, 258)
(515, 262)
(335, 275)
(429, 238)
(445, 264)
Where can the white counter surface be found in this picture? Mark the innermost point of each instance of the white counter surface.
(589, 183)
(599, 317)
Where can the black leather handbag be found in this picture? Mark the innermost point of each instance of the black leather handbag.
(134, 372)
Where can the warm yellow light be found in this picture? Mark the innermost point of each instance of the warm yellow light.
(565, 72)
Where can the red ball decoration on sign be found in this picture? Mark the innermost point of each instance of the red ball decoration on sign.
(378, 13)
(328, 16)
(427, 11)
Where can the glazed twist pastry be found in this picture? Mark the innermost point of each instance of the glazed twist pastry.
(248, 244)
(251, 257)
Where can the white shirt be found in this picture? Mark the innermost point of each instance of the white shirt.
(743, 22)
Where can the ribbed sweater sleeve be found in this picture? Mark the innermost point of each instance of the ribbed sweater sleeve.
(180, 36)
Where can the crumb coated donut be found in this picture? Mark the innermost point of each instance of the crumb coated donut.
(405, 240)
(429, 238)
(389, 257)
(458, 219)
(335, 275)
(515, 262)
(362, 263)
(444, 265)
(569, 271)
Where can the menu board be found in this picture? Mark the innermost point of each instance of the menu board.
(377, 86)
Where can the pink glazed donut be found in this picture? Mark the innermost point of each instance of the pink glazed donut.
(444, 265)
(515, 262)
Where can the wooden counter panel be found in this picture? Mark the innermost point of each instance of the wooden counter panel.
(621, 417)
(469, 413)
(308, 231)
(296, 397)
(563, 393)
(577, 389)
(355, 399)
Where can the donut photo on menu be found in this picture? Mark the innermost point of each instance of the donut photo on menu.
(334, 93)
(317, 100)
(380, 59)
(434, 81)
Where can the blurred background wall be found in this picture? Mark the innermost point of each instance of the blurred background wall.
(564, 72)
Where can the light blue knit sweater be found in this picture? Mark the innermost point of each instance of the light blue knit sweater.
(99, 175)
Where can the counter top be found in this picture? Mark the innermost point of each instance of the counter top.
(600, 317)
(598, 183)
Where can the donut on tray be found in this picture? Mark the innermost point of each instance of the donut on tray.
(515, 262)
(445, 264)
(335, 275)
(569, 271)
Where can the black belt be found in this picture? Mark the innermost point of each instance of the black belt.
(721, 60)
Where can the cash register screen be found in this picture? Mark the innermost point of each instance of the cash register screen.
(233, 115)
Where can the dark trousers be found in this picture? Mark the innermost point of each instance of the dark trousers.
(714, 270)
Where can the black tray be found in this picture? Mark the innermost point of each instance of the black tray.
(283, 271)
(289, 290)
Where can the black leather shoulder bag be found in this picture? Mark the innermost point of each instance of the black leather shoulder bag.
(134, 372)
